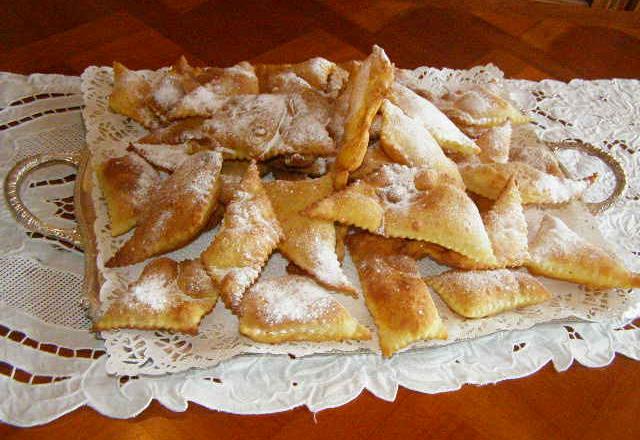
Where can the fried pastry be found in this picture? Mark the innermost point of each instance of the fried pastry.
(315, 71)
(126, 183)
(155, 301)
(309, 243)
(536, 187)
(478, 106)
(177, 212)
(558, 252)
(170, 86)
(396, 296)
(374, 159)
(194, 280)
(208, 97)
(264, 126)
(481, 293)
(363, 96)
(249, 234)
(507, 229)
(494, 144)
(535, 154)
(130, 94)
(450, 137)
(406, 141)
(294, 308)
(166, 157)
(399, 201)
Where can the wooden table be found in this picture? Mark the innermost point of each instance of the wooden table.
(526, 40)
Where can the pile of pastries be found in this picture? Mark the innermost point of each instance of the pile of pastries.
(315, 160)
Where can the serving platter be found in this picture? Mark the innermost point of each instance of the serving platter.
(201, 352)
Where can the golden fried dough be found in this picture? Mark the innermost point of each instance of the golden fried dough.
(155, 302)
(126, 183)
(399, 201)
(439, 125)
(209, 96)
(558, 252)
(129, 96)
(308, 242)
(249, 234)
(294, 308)
(177, 212)
(481, 293)
(495, 143)
(536, 187)
(166, 157)
(478, 106)
(364, 93)
(396, 296)
(408, 142)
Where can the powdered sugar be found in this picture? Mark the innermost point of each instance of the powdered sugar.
(153, 292)
(474, 281)
(165, 156)
(327, 266)
(399, 187)
(166, 92)
(559, 189)
(292, 299)
(554, 238)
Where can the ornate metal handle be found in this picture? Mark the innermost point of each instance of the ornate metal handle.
(615, 166)
(13, 183)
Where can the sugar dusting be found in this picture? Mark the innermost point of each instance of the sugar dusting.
(398, 188)
(482, 281)
(153, 292)
(166, 156)
(555, 238)
(292, 299)
(559, 189)
(327, 267)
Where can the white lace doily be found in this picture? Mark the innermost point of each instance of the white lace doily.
(51, 364)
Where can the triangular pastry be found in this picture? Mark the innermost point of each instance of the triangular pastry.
(249, 234)
(399, 201)
(536, 187)
(408, 142)
(316, 72)
(208, 97)
(170, 86)
(295, 308)
(495, 143)
(374, 159)
(479, 106)
(194, 280)
(396, 296)
(558, 252)
(450, 137)
(264, 126)
(166, 157)
(308, 242)
(177, 212)
(481, 293)
(130, 94)
(155, 301)
(507, 229)
(126, 183)
(362, 97)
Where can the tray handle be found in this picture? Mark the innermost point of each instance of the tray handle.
(618, 171)
(13, 183)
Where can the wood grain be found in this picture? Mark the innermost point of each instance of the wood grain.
(529, 40)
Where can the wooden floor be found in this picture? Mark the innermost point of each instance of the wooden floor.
(531, 40)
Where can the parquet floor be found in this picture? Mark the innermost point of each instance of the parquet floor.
(531, 40)
(526, 39)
